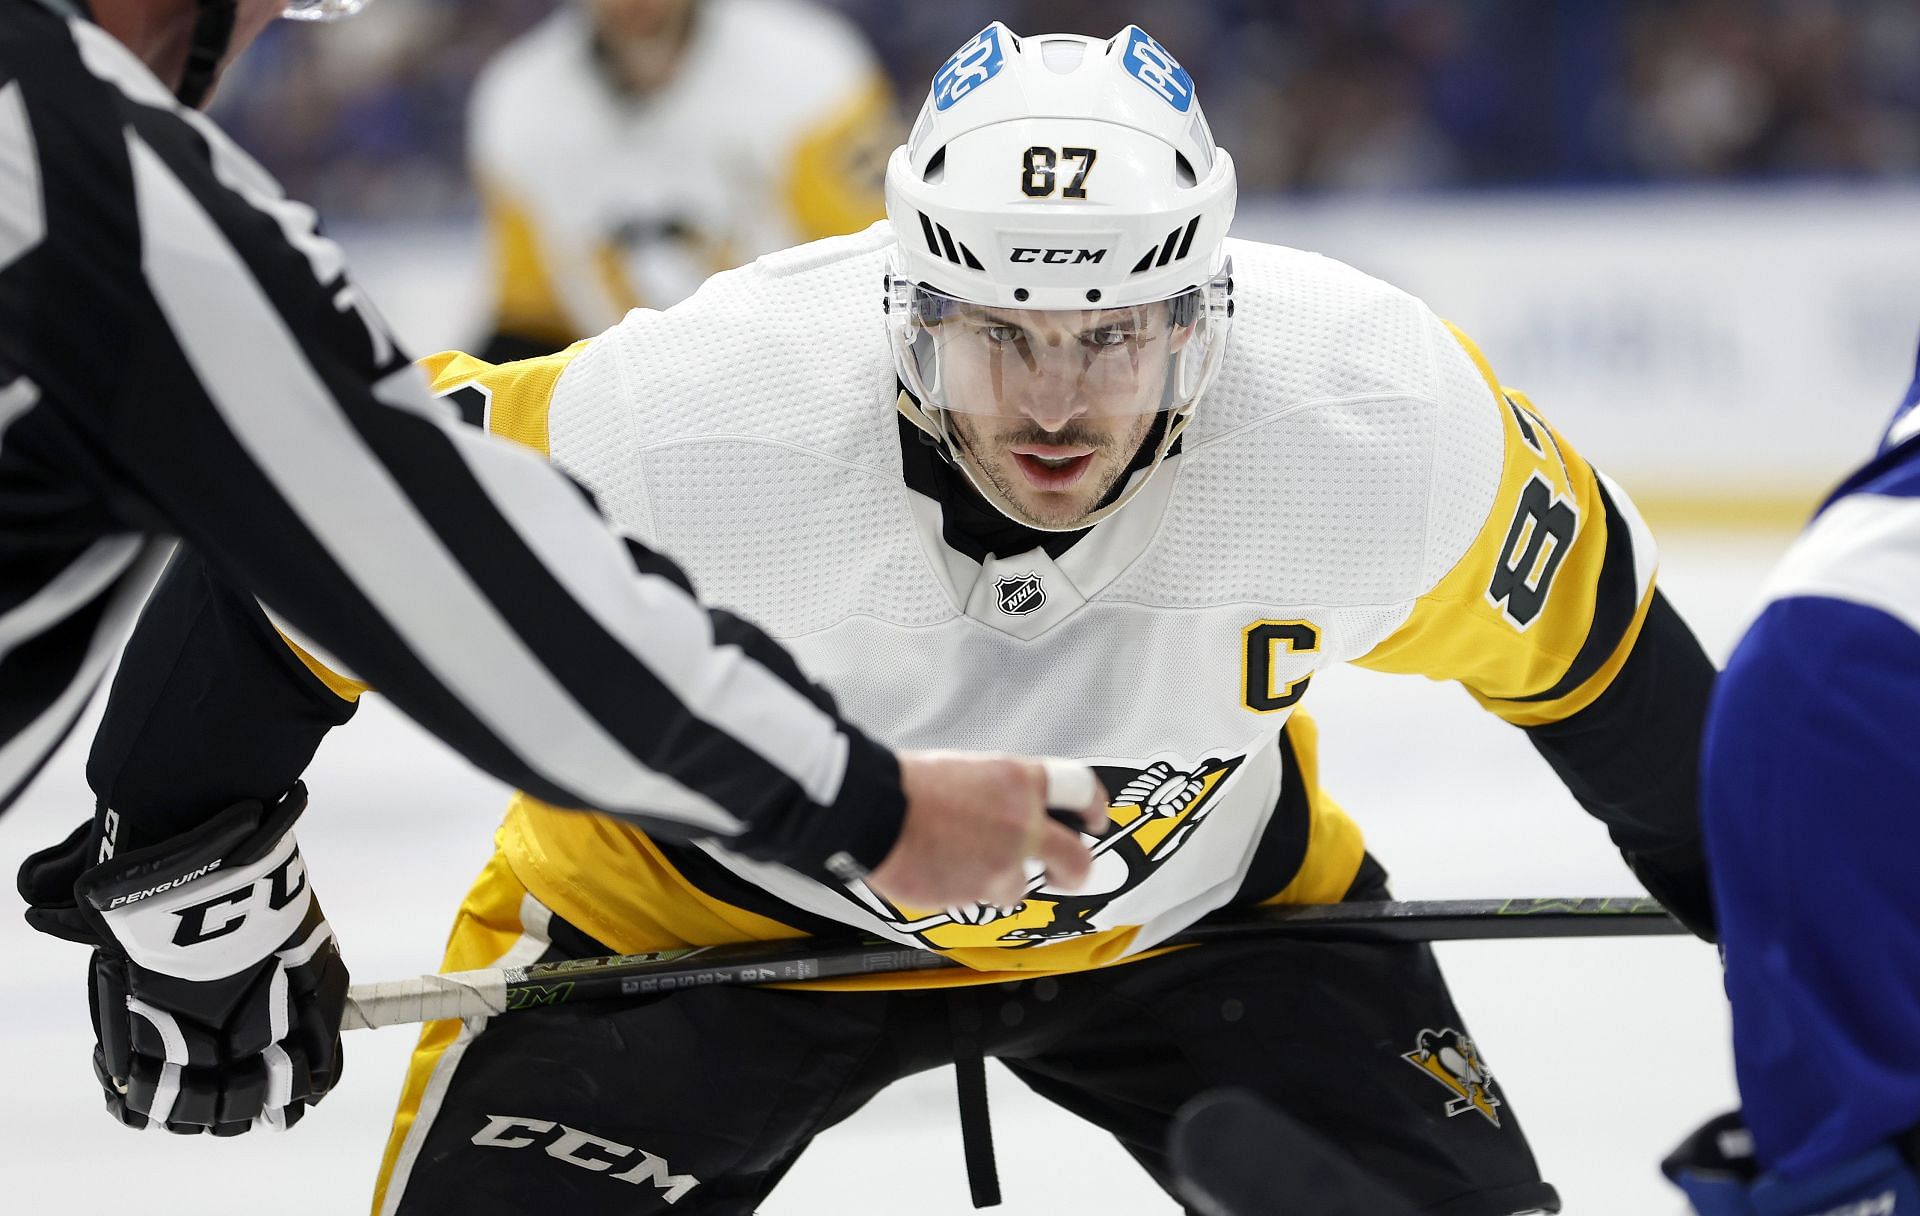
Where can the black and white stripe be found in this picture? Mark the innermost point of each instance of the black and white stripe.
(181, 353)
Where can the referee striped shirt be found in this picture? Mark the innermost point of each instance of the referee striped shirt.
(182, 355)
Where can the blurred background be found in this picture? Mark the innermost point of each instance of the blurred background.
(1689, 229)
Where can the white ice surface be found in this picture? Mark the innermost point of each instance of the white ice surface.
(1608, 1051)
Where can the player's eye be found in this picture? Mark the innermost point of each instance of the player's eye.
(1108, 336)
(1000, 335)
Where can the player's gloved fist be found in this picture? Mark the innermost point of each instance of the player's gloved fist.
(217, 988)
(1716, 1168)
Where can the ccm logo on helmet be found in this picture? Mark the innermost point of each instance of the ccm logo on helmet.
(226, 912)
(1056, 257)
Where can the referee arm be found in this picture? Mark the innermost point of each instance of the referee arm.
(194, 350)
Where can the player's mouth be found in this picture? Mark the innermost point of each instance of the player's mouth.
(1052, 466)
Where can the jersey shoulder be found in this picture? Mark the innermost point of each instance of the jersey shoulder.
(1864, 545)
(1311, 330)
(788, 350)
(1355, 387)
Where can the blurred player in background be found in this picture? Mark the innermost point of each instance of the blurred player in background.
(1043, 500)
(626, 149)
(1811, 805)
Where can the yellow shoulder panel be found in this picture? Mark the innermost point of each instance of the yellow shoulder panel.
(835, 175)
(1540, 612)
(518, 396)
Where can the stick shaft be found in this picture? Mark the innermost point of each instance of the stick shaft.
(514, 989)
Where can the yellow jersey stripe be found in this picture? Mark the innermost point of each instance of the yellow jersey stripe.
(835, 175)
(525, 301)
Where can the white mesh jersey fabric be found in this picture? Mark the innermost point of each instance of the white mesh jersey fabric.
(1344, 460)
(749, 431)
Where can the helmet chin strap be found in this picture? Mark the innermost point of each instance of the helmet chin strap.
(212, 33)
(934, 423)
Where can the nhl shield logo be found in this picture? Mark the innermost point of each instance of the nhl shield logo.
(1020, 594)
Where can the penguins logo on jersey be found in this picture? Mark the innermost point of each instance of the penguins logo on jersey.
(1156, 811)
(1452, 1060)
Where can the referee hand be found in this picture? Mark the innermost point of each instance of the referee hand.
(973, 821)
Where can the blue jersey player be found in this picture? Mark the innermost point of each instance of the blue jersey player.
(1811, 807)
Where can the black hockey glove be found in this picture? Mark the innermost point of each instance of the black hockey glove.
(217, 988)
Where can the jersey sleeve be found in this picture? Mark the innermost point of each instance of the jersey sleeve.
(1550, 618)
(513, 401)
(1542, 608)
(835, 123)
(1808, 779)
(837, 165)
(528, 315)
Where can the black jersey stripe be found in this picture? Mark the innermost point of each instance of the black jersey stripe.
(717, 882)
(1283, 845)
(50, 676)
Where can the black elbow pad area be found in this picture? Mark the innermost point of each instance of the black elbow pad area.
(1632, 759)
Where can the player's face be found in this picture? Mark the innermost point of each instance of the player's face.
(1052, 406)
(643, 36)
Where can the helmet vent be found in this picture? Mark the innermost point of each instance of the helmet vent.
(1172, 249)
(1183, 172)
(936, 170)
(1063, 56)
(940, 244)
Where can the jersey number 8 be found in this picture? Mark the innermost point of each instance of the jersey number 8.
(1523, 575)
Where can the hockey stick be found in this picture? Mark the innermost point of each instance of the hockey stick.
(488, 991)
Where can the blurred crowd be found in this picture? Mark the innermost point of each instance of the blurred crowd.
(366, 119)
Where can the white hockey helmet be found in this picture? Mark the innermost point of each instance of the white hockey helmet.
(1060, 173)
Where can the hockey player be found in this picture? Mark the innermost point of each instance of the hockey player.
(183, 355)
(1820, 918)
(627, 149)
(1100, 481)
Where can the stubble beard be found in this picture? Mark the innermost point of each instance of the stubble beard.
(1014, 488)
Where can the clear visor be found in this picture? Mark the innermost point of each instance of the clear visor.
(1056, 364)
(322, 10)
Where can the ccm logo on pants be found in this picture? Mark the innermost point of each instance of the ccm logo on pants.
(588, 1151)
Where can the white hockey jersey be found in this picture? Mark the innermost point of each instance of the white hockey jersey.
(773, 129)
(1355, 487)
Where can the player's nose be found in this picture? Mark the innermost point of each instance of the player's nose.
(1053, 410)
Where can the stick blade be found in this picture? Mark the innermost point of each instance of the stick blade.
(1235, 1154)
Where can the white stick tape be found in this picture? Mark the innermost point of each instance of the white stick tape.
(1070, 785)
(427, 998)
